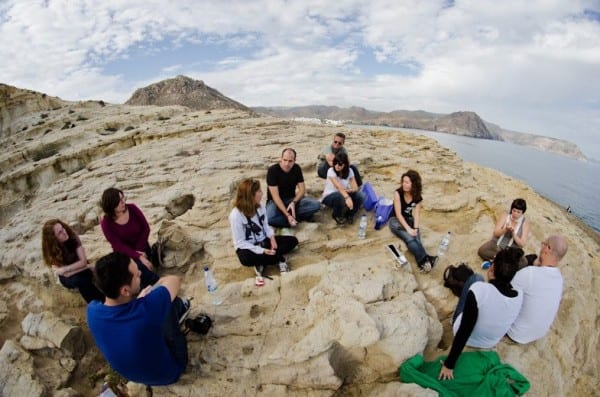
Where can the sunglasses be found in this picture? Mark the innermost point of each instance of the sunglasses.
(338, 142)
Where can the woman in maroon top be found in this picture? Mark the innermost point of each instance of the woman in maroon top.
(62, 250)
(127, 231)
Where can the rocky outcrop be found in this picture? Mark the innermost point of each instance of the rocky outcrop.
(457, 123)
(183, 91)
(340, 323)
(16, 103)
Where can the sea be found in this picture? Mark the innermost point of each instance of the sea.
(570, 183)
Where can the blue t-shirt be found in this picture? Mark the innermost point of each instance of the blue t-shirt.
(131, 338)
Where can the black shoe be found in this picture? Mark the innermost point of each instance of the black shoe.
(432, 260)
(350, 218)
(339, 220)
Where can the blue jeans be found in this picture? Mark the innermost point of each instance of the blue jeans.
(413, 243)
(460, 306)
(337, 202)
(305, 209)
(174, 338)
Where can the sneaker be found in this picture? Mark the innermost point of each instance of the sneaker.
(425, 267)
(433, 260)
(259, 281)
(286, 231)
(486, 265)
(339, 220)
(185, 302)
(283, 267)
(350, 218)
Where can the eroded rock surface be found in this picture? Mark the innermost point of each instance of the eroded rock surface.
(340, 323)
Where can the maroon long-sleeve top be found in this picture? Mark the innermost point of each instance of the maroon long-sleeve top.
(130, 237)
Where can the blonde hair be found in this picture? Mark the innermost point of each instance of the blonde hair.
(50, 247)
(244, 198)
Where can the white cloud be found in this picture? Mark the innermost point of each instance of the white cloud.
(524, 65)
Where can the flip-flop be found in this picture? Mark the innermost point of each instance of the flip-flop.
(259, 281)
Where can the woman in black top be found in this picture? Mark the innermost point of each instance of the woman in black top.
(62, 250)
(407, 216)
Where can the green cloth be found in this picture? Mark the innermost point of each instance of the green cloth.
(477, 373)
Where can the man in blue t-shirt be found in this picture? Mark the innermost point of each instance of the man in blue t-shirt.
(138, 331)
(286, 203)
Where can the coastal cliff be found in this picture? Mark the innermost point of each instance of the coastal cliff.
(339, 324)
(458, 123)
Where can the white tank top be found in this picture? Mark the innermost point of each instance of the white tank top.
(496, 313)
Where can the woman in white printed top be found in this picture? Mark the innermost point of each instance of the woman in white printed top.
(253, 239)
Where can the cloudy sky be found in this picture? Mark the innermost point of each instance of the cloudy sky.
(531, 66)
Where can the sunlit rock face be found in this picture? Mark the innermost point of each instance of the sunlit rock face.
(345, 317)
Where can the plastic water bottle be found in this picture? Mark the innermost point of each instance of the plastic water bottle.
(362, 227)
(211, 286)
(378, 222)
(444, 244)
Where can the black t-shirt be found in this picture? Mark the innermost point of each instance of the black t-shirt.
(407, 208)
(286, 182)
(69, 251)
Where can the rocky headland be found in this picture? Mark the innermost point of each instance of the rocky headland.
(339, 324)
(463, 123)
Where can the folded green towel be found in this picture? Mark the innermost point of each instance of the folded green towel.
(477, 373)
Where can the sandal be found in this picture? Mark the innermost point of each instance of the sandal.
(259, 281)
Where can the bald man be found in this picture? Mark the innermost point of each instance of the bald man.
(542, 285)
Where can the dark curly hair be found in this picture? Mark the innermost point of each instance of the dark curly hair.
(50, 247)
(417, 186)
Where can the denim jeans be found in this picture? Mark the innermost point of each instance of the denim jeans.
(305, 209)
(337, 202)
(460, 306)
(174, 338)
(413, 243)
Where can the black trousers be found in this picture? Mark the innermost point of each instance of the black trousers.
(83, 282)
(284, 245)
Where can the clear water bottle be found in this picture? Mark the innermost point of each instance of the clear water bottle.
(444, 244)
(211, 286)
(362, 227)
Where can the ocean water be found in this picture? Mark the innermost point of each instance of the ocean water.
(566, 181)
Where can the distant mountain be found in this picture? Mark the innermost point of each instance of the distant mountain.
(184, 91)
(457, 123)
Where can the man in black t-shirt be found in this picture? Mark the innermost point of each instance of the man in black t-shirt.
(286, 204)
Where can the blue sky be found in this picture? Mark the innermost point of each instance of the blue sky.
(528, 66)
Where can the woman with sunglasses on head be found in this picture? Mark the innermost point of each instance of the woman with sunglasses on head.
(127, 230)
(406, 218)
(254, 241)
(341, 190)
(485, 311)
(62, 250)
(512, 230)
